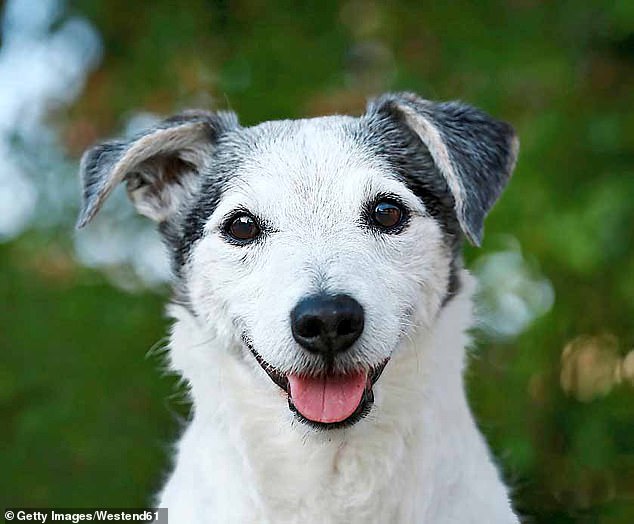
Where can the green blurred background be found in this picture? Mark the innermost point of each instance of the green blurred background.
(86, 409)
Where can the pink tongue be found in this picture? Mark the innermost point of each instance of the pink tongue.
(331, 398)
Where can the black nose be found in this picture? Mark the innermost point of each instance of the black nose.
(327, 324)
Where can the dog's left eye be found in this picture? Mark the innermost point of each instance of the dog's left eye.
(388, 214)
(242, 227)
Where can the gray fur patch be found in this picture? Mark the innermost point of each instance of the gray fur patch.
(409, 159)
(475, 153)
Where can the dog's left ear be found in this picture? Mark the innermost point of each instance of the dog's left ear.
(475, 153)
(162, 167)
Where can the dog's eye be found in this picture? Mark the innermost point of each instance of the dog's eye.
(387, 214)
(242, 227)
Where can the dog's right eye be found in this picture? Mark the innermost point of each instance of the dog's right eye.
(242, 228)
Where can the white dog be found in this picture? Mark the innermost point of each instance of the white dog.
(320, 308)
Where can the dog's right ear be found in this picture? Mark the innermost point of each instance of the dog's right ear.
(161, 166)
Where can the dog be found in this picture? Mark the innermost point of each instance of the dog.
(320, 308)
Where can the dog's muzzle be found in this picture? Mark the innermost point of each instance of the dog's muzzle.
(326, 326)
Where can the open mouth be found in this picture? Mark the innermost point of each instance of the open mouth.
(329, 400)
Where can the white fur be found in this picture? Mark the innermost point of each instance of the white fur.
(418, 457)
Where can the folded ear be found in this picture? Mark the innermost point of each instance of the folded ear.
(161, 166)
(474, 153)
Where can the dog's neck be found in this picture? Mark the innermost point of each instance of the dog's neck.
(418, 444)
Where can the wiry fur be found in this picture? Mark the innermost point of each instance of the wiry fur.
(417, 458)
(311, 184)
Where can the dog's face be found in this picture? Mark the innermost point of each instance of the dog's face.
(316, 245)
(314, 254)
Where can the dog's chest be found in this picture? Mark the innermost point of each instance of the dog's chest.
(288, 480)
(354, 481)
(357, 481)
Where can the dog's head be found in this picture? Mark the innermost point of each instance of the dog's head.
(318, 245)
